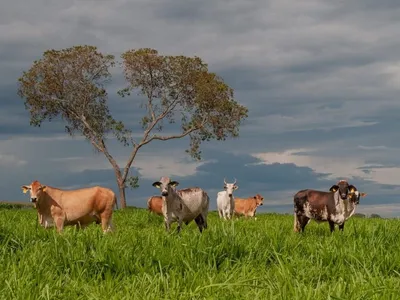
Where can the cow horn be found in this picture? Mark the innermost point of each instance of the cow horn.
(224, 181)
(234, 182)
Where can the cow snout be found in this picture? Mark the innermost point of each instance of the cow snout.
(164, 193)
(33, 199)
(260, 204)
(343, 195)
(230, 195)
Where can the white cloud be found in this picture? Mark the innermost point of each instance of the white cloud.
(384, 210)
(336, 166)
(9, 160)
(151, 166)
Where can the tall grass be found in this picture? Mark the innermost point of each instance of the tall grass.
(244, 259)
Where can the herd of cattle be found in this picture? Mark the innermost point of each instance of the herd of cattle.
(81, 207)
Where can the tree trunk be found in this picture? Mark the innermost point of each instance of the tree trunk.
(121, 187)
(122, 199)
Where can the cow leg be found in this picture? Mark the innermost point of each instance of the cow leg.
(106, 220)
(200, 222)
(179, 225)
(204, 216)
(332, 226)
(300, 222)
(223, 214)
(297, 225)
(304, 221)
(341, 227)
(110, 227)
(59, 224)
(167, 226)
(220, 213)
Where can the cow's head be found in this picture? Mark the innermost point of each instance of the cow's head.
(343, 187)
(35, 189)
(165, 185)
(230, 187)
(355, 195)
(259, 199)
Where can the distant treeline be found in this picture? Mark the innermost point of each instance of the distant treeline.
(14, 205)
(20, 205)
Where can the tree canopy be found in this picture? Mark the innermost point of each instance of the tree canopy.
(71, 84)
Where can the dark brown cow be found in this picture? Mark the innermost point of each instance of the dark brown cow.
(154, 204)
(335, 206)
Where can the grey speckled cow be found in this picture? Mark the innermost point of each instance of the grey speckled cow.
(183, 205)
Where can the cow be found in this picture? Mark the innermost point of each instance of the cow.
(226, 201)
(248, 207)
(72, 207)
(183, 205)
(154, 204)
(335, 206)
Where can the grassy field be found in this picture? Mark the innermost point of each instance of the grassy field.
(244, 259)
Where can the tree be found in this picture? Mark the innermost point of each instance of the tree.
(359, 215)
(70, 84)
(376, 216)
(172, 89)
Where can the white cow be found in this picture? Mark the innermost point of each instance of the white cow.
(183, 205)
(226, 201)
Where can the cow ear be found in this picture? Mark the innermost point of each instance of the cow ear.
(334, 188)
(363, 194)
(352, 188)
(235, 187)
(44, 188)
(174, 183)
(24, 189)
(157, 184)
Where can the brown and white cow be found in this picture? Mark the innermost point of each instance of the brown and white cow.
(72, 207)
(183, 205)
(154, 204)
(335, 206)
(248, 207)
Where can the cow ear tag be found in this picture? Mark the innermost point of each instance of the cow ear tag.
(24, 190)
(44, 189)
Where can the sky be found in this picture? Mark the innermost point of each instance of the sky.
(321, 80)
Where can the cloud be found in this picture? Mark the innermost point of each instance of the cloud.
(322, 92)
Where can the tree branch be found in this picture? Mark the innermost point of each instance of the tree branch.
(166, 138)
(145, 139)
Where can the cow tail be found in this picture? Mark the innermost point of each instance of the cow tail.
(296, 201)
(148, 203)
(115, 201)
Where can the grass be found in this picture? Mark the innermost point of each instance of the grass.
(244, 259)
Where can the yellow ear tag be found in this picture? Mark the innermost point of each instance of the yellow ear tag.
(24, 190)
(44, 189)
(352, 191)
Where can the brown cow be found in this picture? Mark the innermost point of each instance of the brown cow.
(72, 207)
(248, 207)
(154, 204)
(335, 206)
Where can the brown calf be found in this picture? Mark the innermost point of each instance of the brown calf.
(248, 207)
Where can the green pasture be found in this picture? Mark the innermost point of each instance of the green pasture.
(241, 259)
